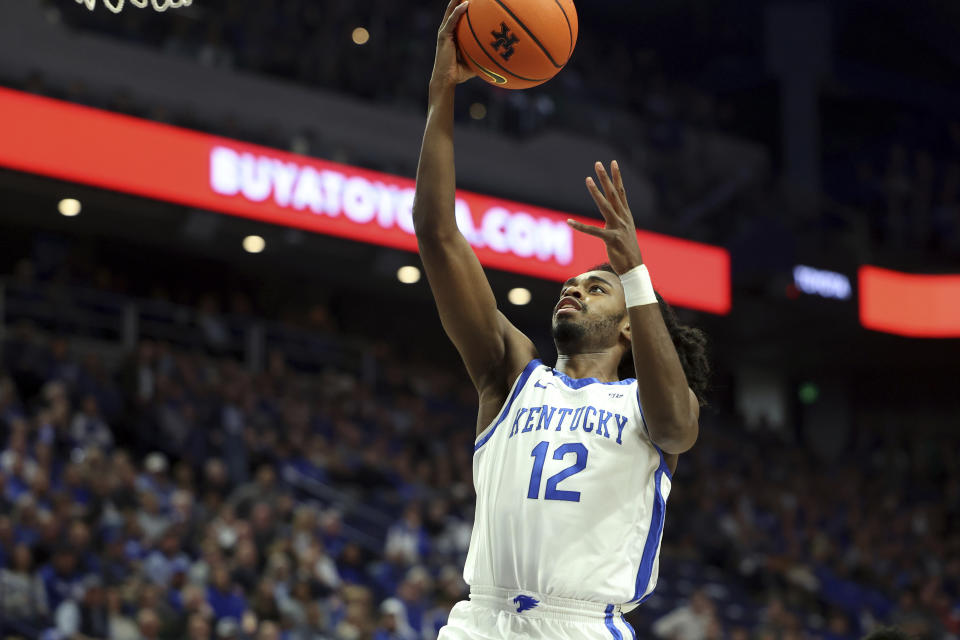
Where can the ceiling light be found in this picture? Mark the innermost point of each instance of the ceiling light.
(519, 296)
(408, 274)
(360, 36)
(69, 207)
(254, 244)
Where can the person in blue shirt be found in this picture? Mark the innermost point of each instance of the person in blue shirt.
(61, 576)
(223, 598)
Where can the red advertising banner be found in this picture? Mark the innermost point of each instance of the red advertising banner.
(907, 304)
(121, 153)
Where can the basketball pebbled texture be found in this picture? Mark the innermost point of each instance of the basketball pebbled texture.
(517, 44)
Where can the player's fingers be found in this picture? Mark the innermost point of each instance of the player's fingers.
(450, 26)
(589, 229)
(446, 12)
(618, 183)
(606, 210)
(451, 21)
(608, 189)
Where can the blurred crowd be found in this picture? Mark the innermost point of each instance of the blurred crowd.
(176, 493)
(835, 545)
(161, 500)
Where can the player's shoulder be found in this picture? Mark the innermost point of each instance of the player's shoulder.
(520, 351)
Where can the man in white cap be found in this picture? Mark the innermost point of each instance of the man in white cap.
(393, 622)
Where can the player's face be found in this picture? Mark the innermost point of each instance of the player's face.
(590, 313)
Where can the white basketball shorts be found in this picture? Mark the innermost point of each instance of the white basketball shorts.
(498, 614)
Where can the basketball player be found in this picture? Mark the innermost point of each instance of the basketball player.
(572, 464)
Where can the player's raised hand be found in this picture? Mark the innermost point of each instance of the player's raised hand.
(448, 70)
(619, 233)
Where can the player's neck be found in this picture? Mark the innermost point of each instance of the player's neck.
(601, 365)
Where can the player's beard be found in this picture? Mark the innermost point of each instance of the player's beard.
(578, 335)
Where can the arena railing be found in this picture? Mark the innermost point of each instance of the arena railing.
(121, 322)
(365, 525)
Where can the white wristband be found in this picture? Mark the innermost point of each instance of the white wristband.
(637, 287)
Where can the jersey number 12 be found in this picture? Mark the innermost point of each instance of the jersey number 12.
(539, 455)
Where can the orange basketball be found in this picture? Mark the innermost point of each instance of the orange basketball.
(516, 44)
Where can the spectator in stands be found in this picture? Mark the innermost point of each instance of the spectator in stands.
(331, 532)
(122, 626)
(315, 625)
(215, 484)
(187, 600)
(151, 519)
(263, 602)
(148, 624)
(407, 537)
(61, 577)
(78, 537)
(246, 565)
(167, 559)
(268, 631)
(264, 519)
(356, 618)
(87, 614)
(22, 594)
(688, 622)
(294, 605)
(352, 564)
(413, 594)
(393, 622)
(15, 460)
(228, 629)
(450, 589)
(223, 597)
(155, 478)
(262, 490)
(913, 619)
(198, 628)
(320, 567)
(88, 428)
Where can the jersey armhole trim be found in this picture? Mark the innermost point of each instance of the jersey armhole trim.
(517, 388)
(643, 420)
(663, 463)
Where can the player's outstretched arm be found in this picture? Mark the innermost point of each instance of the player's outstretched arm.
(492, 349)
(670, 408)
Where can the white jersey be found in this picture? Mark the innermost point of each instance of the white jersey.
(571, 492)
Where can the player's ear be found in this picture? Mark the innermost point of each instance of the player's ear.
(625, 330)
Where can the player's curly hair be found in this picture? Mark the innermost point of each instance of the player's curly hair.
(690, 343)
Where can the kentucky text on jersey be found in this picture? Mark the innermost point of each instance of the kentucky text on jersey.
(590, 419)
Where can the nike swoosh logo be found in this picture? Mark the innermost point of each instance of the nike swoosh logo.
(538, 385)
(494, 77)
